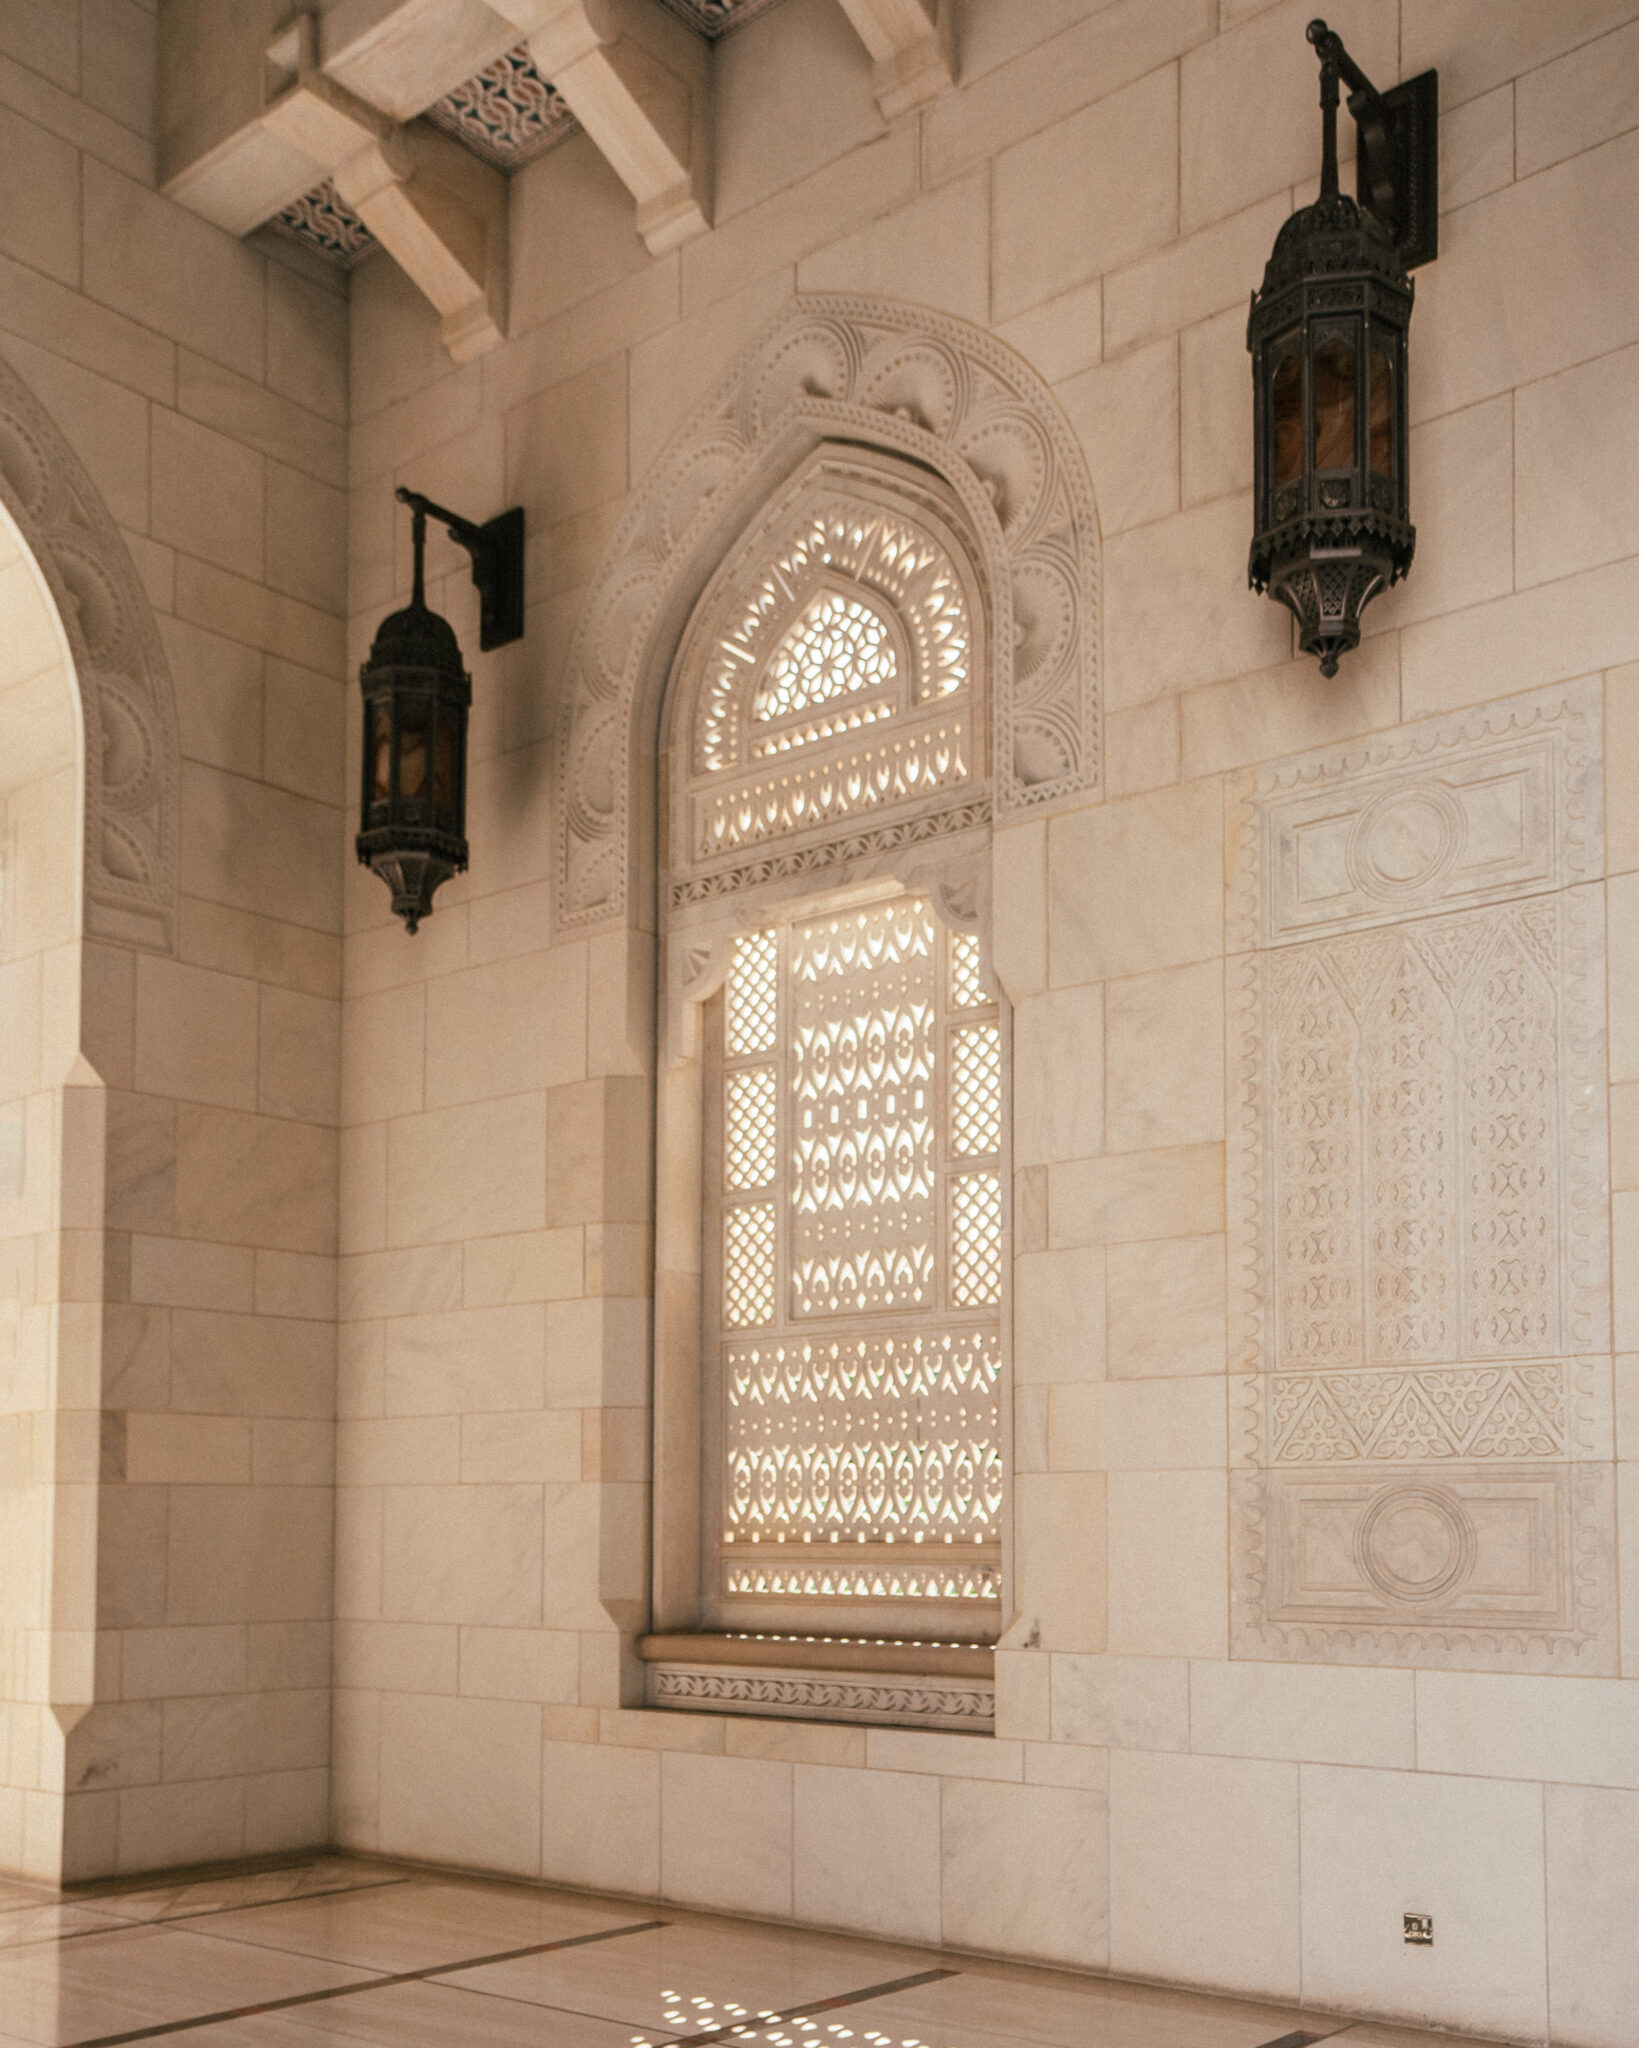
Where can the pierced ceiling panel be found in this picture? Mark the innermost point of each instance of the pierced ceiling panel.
(713, 18)
(507, 114)
(320, 221)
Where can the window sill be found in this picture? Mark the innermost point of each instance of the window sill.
(948, 1686)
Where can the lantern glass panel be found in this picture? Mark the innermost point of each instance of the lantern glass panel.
(1286, 415)
(1334, 405)
(412, 751)
(381, 753)
(444, 765)
(1382, 412)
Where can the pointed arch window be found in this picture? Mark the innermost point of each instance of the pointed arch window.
(826, 773)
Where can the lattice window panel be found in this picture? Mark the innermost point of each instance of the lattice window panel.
(860, 1085)
(840, 648)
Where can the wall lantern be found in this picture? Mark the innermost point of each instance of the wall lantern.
(413, 808)
(1327, 334)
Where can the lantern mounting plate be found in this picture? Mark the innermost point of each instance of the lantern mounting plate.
(497, 551)
(1396, 149)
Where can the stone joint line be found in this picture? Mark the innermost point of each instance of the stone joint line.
(245, 2012)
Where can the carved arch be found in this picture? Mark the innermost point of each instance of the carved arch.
(124, 685)
(916, 383)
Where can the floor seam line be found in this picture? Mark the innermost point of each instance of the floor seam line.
(205, 1913)
(760, 2022)
(377, 1983)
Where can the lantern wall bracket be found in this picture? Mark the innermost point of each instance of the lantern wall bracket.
(1396, 149)
(497, 551)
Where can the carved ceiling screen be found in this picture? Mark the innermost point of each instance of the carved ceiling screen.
(828, 799)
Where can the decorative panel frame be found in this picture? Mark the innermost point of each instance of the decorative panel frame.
(1418, 1193)
(131, 770)
(911, 383)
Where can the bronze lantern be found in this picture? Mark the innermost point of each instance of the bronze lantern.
(1328, 334)
(413, 802)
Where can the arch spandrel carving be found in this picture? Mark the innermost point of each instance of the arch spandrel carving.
(124, 685)
(901, 379)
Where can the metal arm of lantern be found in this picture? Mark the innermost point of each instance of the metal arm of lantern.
(1328, 337)
(417, 693)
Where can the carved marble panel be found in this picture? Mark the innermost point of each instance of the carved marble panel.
(1418, 1183)
(966, 1705)
(131, 775)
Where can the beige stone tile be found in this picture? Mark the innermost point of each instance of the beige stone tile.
(240, 942)
(672, 372)
(161, 1663)
(1163, 1058)
(1305, 1713)
(215, 1738)
(504, 1028)
(1066, 63)
(467, 1554)
(466, 1361)
(1593, 1968)
(250, 1365)
(1578, 101)
(469, 1172)
(1476, 44)
(1204, 1871)
(1215, 384)
(1058, 1535)
(42, 225)
(1178, 610)
(943, 1755)
(1166, 846)
(795, 1742)
(1122, 154)
(1475, 1724)
(865, 1850)
(461, 1782)
(933, 251)
(791, 96)
(298, 1055)
(1377, 1844)
(399, 1450)
(537, 1265)
(1061, 336)
(1025, 1871)
(1259, 717)
(1141, 747)
(306, 343)
(187, 1450)
(1058, 1316)
(522, 1447)
(1139, 1425)
(293, 1453)
(1552, 633)
(1137, 1195)
(75, 329)
(1577, 503)
(601, 1817)
(285, 428)
(1559, 229)
(519, 1664)
(1166, 1308)
(263, 850)
(1121, 1702)
(567, 448)
(1477, 148)
(1627, 1408)
(1169, 1564)
(248, 1554)
(400, 1282)
(46, 43)
(1621, 756)
(699, 1734)
(397, 1656)
(104, 421)
(1622, 908)
(1246, 118)
(173, 1274)
(1058, 1069)
(1125, 413)
(383, 1054)
(196, 1034)
(573, 232)
(208, 494)
(255, 1180)
(218, 686)
(307, 539)
(627, 312)
(1192, 277)
(1019, 917)
(726, 1833)
(1627, 1564)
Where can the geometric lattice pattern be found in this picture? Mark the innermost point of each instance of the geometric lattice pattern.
(861, 1203)
(320, 220)
(976, 1090)
(506, 114)
(838, 649)
(969, 989)
(976, 1240)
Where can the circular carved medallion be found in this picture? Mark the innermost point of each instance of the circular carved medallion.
(1416, 1543)
(1406, 840)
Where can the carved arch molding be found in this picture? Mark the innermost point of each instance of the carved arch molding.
(916, 383)
(124, 684)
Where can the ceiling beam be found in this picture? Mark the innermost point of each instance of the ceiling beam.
(909, 45)
(639, 83)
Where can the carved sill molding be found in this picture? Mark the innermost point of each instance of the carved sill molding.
(905, 1685)
(1417, 1182)
(131, 773)
(868, 372)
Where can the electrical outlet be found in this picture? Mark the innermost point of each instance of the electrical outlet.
(1419, 1929)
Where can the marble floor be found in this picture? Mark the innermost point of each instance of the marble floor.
(337, 1951)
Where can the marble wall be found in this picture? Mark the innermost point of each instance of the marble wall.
(167, 1695)
(1326, 1602)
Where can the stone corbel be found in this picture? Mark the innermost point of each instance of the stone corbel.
(639, 83)
(909, 44)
